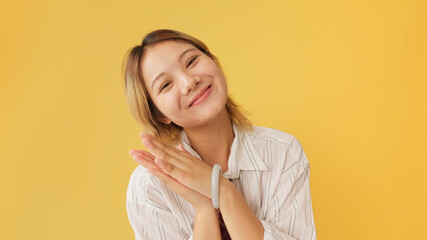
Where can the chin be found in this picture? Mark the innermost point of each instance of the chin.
(202, 118)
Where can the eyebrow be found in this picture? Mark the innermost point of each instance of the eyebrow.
(179, 59)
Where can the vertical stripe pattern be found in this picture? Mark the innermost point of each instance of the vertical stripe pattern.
(267, 166)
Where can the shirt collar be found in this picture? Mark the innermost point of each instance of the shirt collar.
(243, 155)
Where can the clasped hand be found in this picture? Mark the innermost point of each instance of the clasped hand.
(188, 176)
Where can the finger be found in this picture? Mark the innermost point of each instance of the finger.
(133, 152)
(176, 186)
(163, 148)
(168, 168)
(145, 163)
(153, 143)
(163, 151)
(182, 149)
(145, 160)
(172, 170)
(156, 142)
(147, 154)
(142, 153)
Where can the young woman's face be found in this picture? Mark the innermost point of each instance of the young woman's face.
(186, 85)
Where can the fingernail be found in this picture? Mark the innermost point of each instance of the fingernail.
(145, 142)
(143, 134)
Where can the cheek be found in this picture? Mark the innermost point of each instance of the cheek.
(221, 82)
(168, 103)
(214, 70)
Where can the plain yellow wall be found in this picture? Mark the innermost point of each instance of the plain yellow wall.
(347, 78)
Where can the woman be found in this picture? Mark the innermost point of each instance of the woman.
(177, 91)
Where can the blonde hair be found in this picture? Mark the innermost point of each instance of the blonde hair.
(139, 101)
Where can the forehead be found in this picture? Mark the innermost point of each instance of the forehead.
(166, 48)
(161, 56)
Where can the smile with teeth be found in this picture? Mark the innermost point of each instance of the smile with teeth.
(201, 97)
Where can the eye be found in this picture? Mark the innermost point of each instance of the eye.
(191, 61)
(164, 86)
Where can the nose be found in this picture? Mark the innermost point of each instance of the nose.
(188, 83)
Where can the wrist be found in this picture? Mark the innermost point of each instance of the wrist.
(205, 210)
(204, 206)
(206, 223)
(233, 207)
(227, 192)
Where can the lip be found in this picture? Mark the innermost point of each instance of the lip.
(204, 93)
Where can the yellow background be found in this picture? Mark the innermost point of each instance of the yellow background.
(347, 78)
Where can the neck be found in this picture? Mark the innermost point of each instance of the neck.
(213, 140)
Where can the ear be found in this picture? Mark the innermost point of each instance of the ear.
(162, 118)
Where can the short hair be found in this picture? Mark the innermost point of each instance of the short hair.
(143, 108)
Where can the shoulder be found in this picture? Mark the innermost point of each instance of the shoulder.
(137, 186)
(269, 134)
(145, 190)
(274, 137)
(282, 149)
(143, 187)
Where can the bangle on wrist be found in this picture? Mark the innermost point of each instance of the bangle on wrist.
(216, 171)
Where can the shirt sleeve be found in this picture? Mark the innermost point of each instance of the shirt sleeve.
(149, 218)
(293, 215)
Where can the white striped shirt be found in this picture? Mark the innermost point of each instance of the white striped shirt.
(267, 166)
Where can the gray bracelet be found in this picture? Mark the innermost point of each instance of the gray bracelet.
(216, 170)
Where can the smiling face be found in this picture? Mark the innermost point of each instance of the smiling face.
(186, 85)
